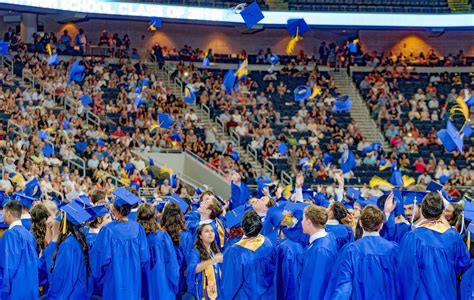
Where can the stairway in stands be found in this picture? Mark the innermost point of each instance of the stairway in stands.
(359, 110)
(459, 6)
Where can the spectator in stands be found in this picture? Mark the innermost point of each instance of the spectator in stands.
(81, 41)
(66, 40)
(7, 37)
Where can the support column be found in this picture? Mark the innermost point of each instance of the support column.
(29, 25)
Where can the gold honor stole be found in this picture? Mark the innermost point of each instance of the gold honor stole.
(252, 244)
(220, 231)
(437, 226)
(209, 282)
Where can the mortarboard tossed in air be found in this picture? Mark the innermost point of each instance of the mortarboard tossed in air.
(76, 73)
(47, 150)
(183, 205)
(189, 96)
(443, 179)
(123, 196)
(4, 48)
(235, 156)
(32, 188)
(84, 200)
(282, 148)
(273, 59)
(342, 103)
(262, 184)
(66, 124)
(450, 138)
(165, 121)
(100, 142)
(206, 62)
(86, 99)
(53, 59)
(352, 194)
(434, 186)
(129, 168)
(229, 81)
(97, 211)
(75, 213)
(396, 178)
(296, 28)
(138, 101)
(252, 14)
(81, 146)
(348, 161)
(467, 130)
(176, 137)
(234, 217)
(327, 159)
(154, 23)
(302, 93)
(308, 195)
(24, 200)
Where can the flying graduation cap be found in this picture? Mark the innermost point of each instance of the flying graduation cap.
(450, 138)
(229, 81)
(273, 59)
(342, 103)
(154, 23)
(296, 27)
(252, 14)
(189, 96)
(302, 93)
(86, 99)
(165, 121)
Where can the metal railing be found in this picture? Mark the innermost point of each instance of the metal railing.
(286, 178)
(90, 117)
(234, 137)
(8, 63)
(115, 180)
(206, 109)
(269, 166)
(220, 124)
(81, 164)
(252, 152)
(17, 129)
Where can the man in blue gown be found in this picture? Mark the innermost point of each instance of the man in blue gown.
(431, 256)
(249, 265)
(366, 268)
(18, 257)
(319, 256)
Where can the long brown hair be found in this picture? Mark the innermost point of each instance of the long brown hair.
(39, 215)
(201, 248)
(146, 217)
(172, 221)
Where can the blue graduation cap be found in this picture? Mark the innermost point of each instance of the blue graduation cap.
(176, 137)
(81, 146)
(86, 99)
(275, 215)
(165, 121)
(151, 162)
(4, 48)
(24, 200)
(100, 142)
(43, 134)
(262, 184)
(234, 217)
(3, 198)
(189, 96)
(302, 93)
(296, 27)
(352, 193)
(129, 168)
(235, 156)
(469, 211)
(296, 209)
(47, 150)
(97, 211)
(321, 200)
(443, 179)
(252, 14)
(273, 59)
(364, 202)
(467, 130)
(76, 72)
(123, 196)
(348, 161)
(342, 103)
(183, 205)
(206, 62)
(84, 200)
(308, 194)
(229, 81)
(138, 90)
(154, 23)
(282, 148)
(470, 101)
(409, 197)
(327, 159)
(32, 188)
(138, 101)
(53, 59)
(396, 178)
(75, 213)
(173, 181)
(434, 186)
(198, 191)
(66, 124)
(450, 138)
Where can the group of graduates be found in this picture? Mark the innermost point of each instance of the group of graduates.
(270, 247)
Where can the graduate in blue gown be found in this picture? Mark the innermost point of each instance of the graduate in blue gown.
(396, 225)
(319, 256)
(172, 221)
(248, 269)
(431, 256)
(26, 203)
(366, 268)
(466, 289)
(161, 278)
(100, 216)
(120, 253)
(18, 257)
(337, 214)
(69, 276)
(271, 215)
(203, 274)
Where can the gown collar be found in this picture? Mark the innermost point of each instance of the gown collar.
(16, 223)
(370, 234)
(252, 244)
(332, 222)
(317, 235)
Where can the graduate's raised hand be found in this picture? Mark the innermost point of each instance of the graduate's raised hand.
(390, 204)
(299, 180)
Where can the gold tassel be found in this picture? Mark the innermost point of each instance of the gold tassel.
(407, 181)
(468, 241)
(316, 92)
(290, 48)
(460, 108)
(64, 223)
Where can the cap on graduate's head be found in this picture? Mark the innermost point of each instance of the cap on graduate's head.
(183, 205)
(84, 200)
(234, 217)
(296, 209)
(75, 213)
(25, 201)
(97, 210)
(124, 196)
(296, 27)
(412, 197)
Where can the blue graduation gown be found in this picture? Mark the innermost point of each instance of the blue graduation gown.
(466, 290)
(161, 278)
(91, 237)
(44, 266)
(26, 223)
(183, 251)
(394, 231)
(248, 270)
(221, 237)
(133, 215)
(18, 265)
(194, 281)
(288, 267)
(68, 280)
(365, 269)
(430, 260)
(318, 260)
(343, 234)
(270, 231)
(118, 257)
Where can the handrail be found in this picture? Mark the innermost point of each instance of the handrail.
(20, 129)
(90, 117)
(269, 166)
(81, 165)
(7, 62)
(146, 192)
(58, 193)
(206, 109)
(252, 152)
(28, 75)
(286, 178)
(115, 180)
(220, 124)
(234, 137)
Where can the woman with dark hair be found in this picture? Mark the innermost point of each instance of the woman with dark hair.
(39, 215)
(69, 272)
(120, 253)
(172, 221)
(161, 278)
(434, 252)
(452, 213)
(249, 265)
(203, 272)
(338, 215)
